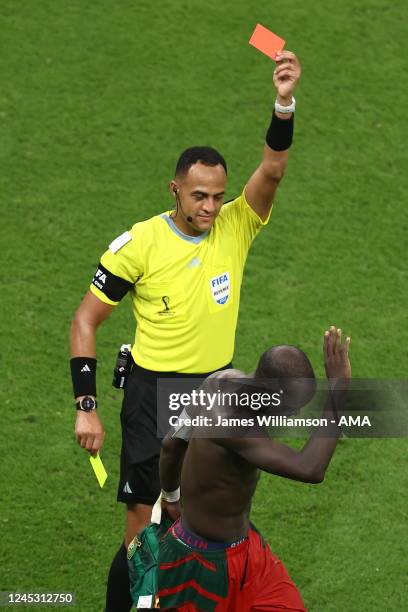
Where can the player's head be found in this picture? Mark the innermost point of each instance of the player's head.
(199, 187)
(290, 367)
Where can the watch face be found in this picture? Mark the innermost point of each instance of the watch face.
(87, 404)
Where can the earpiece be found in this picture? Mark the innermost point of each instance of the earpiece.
(175, 191)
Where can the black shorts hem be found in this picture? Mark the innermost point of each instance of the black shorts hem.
(135, 499)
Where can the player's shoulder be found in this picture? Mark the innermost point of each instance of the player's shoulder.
(226, 381)
(228, 373)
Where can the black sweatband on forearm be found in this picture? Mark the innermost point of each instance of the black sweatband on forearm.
(83, 372)
(280, 133)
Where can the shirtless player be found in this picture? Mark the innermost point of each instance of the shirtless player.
(213, 558)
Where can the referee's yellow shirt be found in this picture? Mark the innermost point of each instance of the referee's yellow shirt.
(185, 290)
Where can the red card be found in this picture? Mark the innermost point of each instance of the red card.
(266, 41)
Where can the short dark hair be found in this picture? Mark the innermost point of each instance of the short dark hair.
(205, 155)
(291, 369)
(284, 361)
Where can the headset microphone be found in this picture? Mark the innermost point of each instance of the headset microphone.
(189, 219)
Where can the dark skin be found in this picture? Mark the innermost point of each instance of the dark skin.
(219, 476)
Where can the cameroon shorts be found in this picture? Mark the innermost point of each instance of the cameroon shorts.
(243, 577)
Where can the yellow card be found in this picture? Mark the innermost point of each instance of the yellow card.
(99, 469)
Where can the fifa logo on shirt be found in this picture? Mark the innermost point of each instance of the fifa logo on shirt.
(220, 287)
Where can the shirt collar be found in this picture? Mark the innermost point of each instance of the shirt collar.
(178, 232)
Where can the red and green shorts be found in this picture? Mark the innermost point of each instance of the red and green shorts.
(239, 578)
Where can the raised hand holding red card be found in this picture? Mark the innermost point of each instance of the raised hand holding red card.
(286, 74)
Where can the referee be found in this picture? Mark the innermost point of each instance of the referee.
(183, 270)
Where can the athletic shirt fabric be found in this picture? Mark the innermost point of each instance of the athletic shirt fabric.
(185, 290)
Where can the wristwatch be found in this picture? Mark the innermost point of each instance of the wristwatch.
(285, 110)
(86, 404)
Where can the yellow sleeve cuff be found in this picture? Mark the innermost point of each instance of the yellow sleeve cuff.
(254, 214)
(101, 295)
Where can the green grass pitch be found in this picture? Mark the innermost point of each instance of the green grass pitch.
(96, 103)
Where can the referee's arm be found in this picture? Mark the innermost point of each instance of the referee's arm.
(261, 187)
(91, 313)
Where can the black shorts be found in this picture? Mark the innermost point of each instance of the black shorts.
(139, 459)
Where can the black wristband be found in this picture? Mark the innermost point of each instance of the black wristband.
(83, 372)
(280, 133)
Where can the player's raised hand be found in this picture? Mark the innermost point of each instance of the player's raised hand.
(336, 354)
(286, 74)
